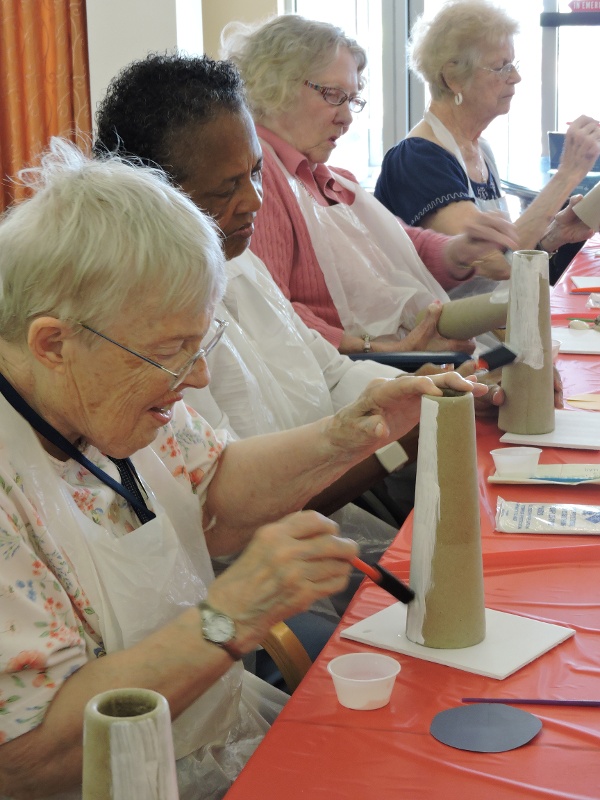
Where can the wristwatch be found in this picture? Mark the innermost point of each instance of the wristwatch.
(219, 629)
(367, 343)
(392, 457)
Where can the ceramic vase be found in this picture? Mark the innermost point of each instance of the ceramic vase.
(446, 568)
(128, 747)
(528, 382)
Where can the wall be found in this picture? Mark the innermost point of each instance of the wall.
(217, 13)
(121, 31)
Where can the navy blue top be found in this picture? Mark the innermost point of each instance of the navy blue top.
(418, 177)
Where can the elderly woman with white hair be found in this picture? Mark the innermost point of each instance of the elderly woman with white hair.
(444, 170)
(109, 278)
(350, 269)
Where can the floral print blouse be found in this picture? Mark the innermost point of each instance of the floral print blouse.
(48, 627)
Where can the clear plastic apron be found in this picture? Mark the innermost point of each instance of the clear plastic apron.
(478, 284)
(141, 581)
(374, 275)
(267, 377)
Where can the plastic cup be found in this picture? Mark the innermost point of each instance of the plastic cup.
(363, 681)
(516, 462)
(555, 349)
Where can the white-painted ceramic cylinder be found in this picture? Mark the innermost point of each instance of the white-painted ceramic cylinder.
(128, 747)
(528, 382)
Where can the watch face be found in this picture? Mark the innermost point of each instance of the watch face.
(218, 628)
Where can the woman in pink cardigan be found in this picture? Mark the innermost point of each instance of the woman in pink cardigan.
(351, 270)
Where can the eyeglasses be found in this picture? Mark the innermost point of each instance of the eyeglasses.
(505, 71)
(181, 374)
(335, 97)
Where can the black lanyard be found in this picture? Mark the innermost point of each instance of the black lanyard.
(134, 496)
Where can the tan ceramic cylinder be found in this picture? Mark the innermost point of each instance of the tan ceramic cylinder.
(128, 747)
(446, 569)
(469, 316)
(588, 208)
(528, 385)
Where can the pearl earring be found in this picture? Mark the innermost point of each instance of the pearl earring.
(458, 98)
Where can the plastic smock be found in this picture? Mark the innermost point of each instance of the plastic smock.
(270, 372)
(372, 271)
(477, 284)
(141, 581)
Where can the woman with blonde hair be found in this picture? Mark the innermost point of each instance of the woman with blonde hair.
(352, 272)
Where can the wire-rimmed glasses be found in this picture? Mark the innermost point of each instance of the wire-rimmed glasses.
(187, 367)
(504, 71)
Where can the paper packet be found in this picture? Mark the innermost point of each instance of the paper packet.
(561, 518)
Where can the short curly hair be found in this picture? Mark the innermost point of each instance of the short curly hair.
(277, 56)
(151, 101)
(458, 35)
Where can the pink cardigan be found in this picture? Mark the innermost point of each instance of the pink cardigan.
(281, 239)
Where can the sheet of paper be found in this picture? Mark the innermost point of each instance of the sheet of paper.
(564, 474)
(572, 429)
(553, 518)
(510, 642)
(576, 341)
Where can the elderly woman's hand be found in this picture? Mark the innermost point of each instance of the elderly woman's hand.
(424, 336)
(581, 148)
(286, 567)
(566, 227)
(487, 404)
(485, 234)
(388, 409)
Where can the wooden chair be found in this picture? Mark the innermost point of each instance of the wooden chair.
(288, 653)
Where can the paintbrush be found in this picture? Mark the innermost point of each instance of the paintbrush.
(497, 357)
(383, 578)
(532, 701)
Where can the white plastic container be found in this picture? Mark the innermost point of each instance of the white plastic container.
(516, 462)
(363, 681)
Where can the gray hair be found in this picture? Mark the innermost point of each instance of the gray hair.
(456, 38)
(97, 234)
(277, 56)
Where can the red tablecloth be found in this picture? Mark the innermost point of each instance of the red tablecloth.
(317, 749)
(566, 304)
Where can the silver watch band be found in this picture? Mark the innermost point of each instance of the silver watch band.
(392, 457)
(208, 612)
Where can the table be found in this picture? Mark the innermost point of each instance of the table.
(317, 749)
(563, 303)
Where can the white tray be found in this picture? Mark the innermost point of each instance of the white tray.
(510, 643)
(574, 429)
(578, 341)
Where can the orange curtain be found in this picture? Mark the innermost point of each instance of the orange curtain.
(44, 82)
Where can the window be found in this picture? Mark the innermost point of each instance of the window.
(558, 68)
(577, 69)
(361, 149)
